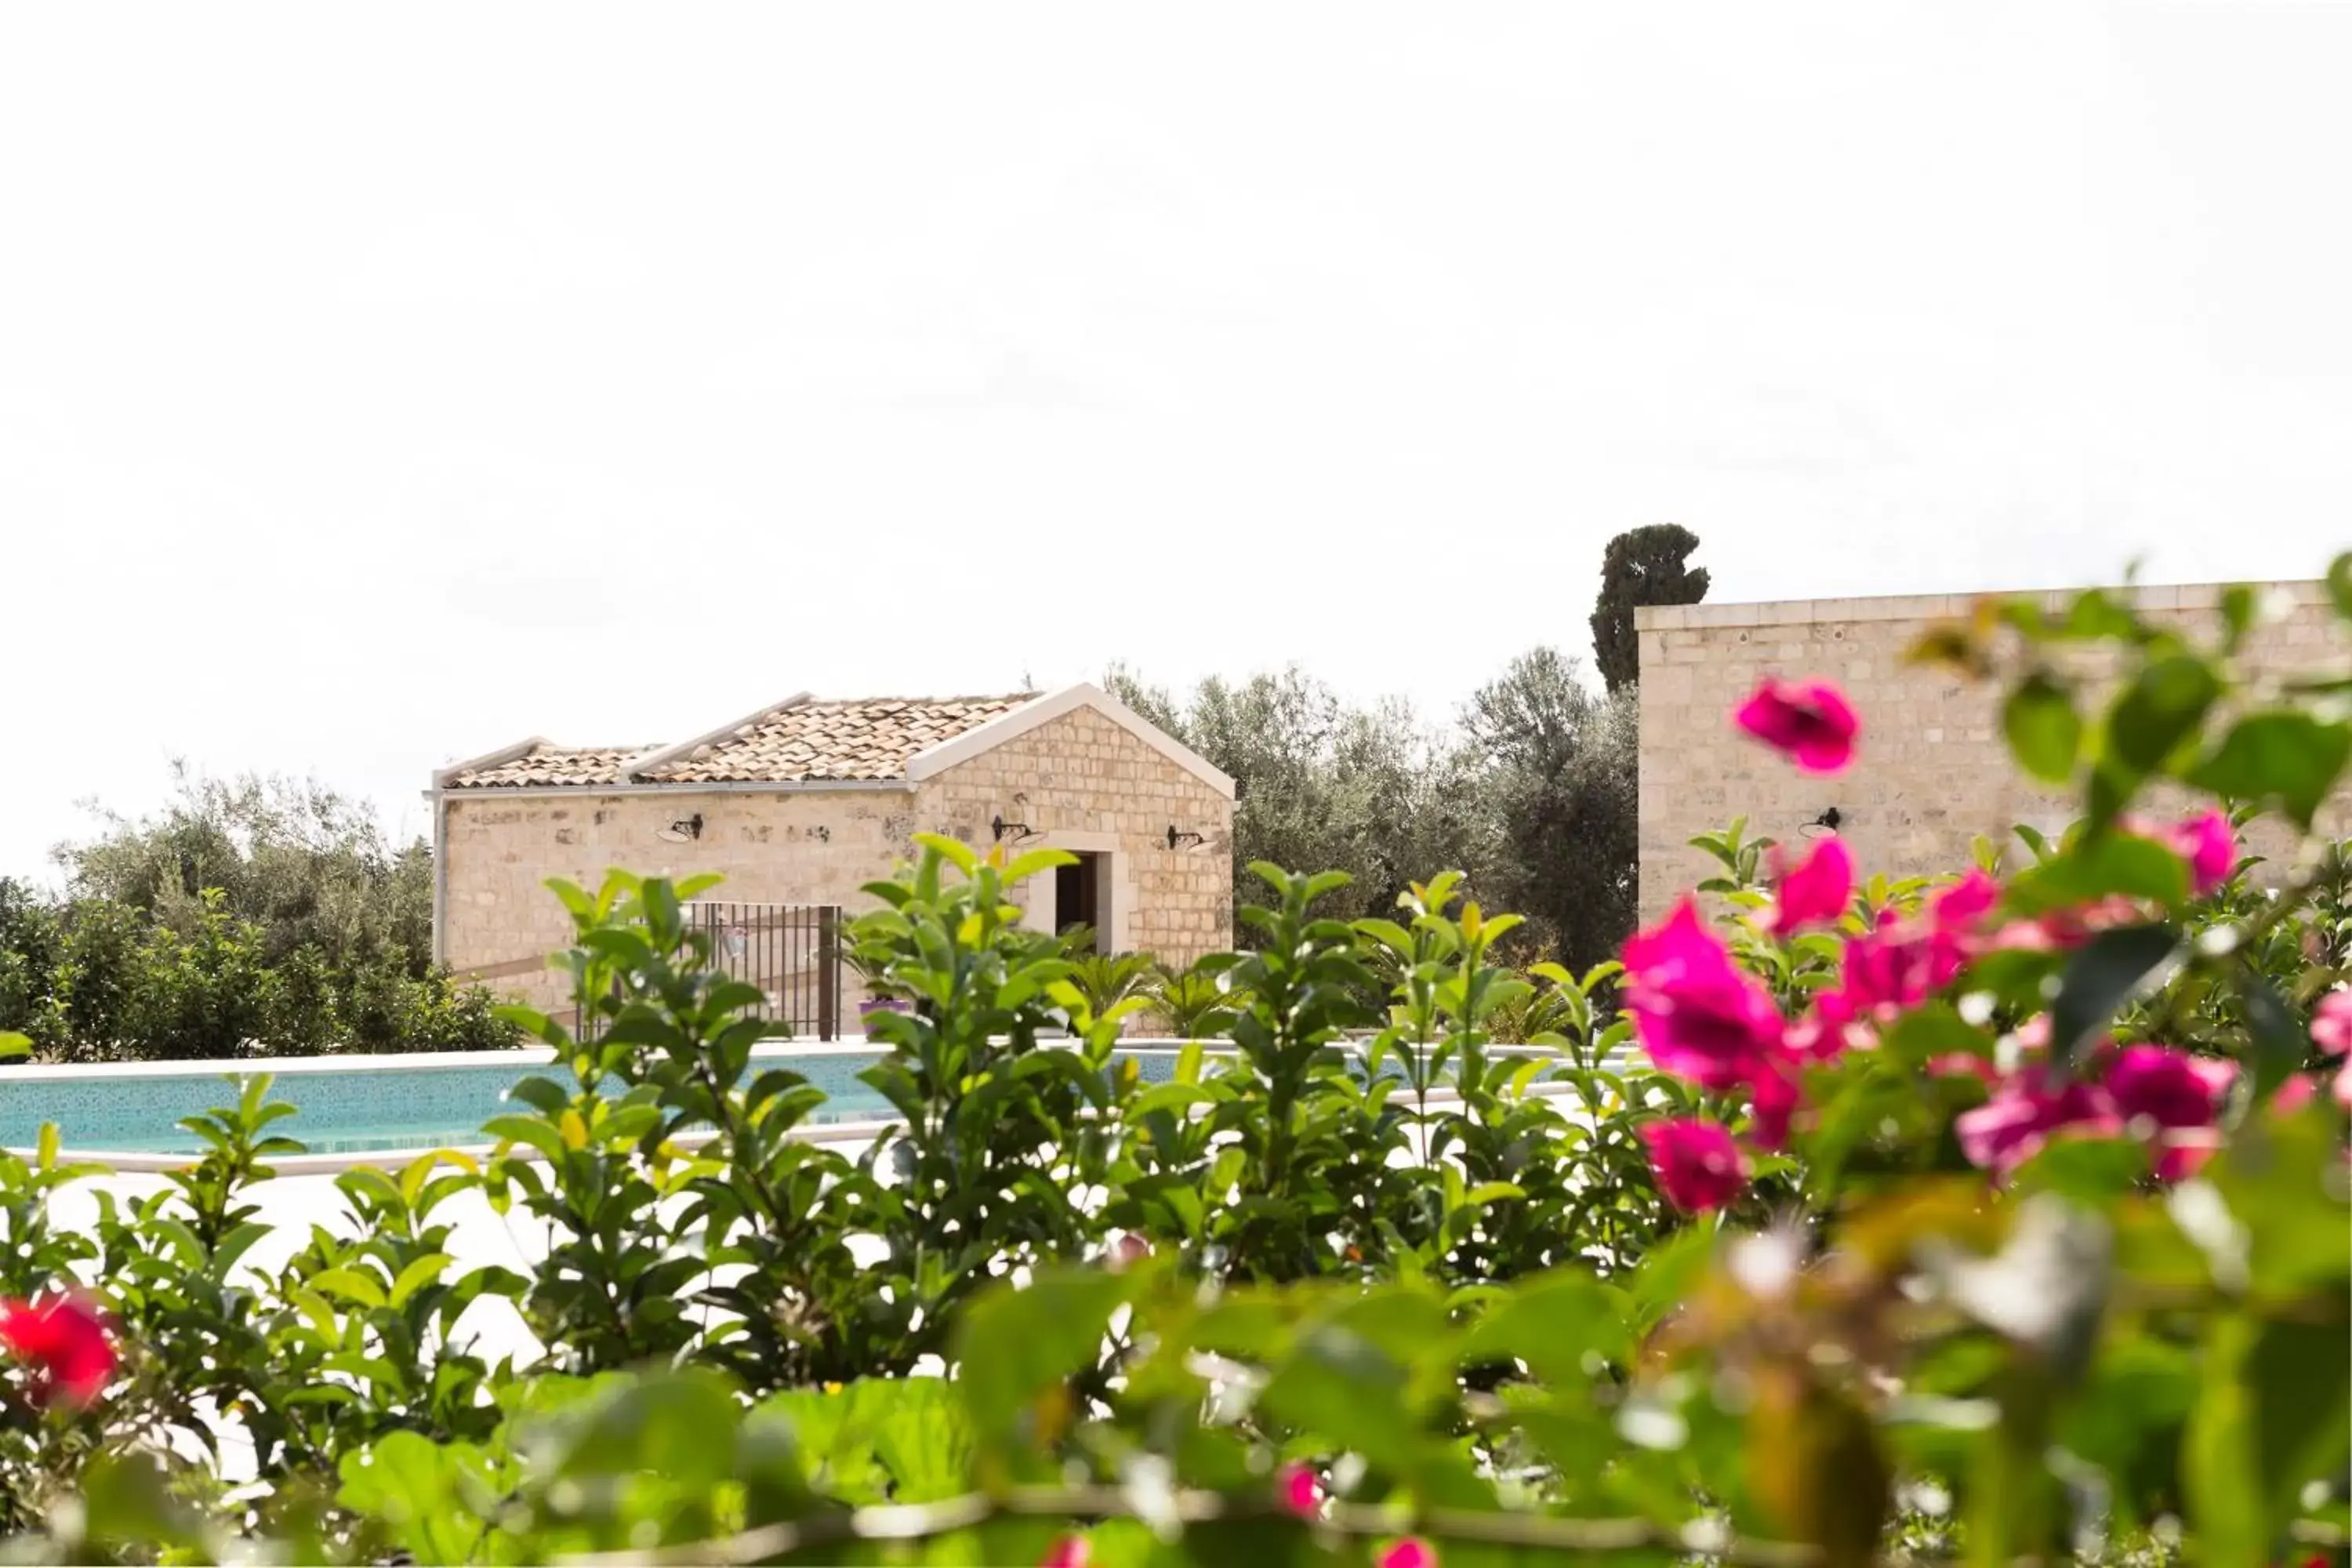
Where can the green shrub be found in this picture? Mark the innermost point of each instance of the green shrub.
(1362, 1279)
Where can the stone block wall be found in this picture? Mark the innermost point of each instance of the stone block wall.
(1082, 780)
(1932, 770)
(786, 846)
(1085, 782)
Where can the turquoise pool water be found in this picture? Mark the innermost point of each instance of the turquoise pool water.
(359, 1109)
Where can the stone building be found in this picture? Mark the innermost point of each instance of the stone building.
(805, 803)
(1932, 772)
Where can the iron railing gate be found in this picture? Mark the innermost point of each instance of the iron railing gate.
(790, 951)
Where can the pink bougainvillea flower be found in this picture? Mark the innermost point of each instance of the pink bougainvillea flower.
(2010, 1128)
(1962, 1064)
(1827, 1031)
(1412, 1551)
(2295, 1094)
(1777, 1096)
(1068, 1552)
(1964, 905)
(1816, 890)
(1302, 1494)
(1899, 965)
(2173, 1097)
(2170, 1089)
(1696, 1162)
(1695, 1013)
(2331, 1022)
(2343, 1087)
(1811, 722)
(2209, 845)
(64, 1340)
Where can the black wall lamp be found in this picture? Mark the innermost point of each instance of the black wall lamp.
(684, 828)
(1827, 822)
(1016, 831)
(1181, 840)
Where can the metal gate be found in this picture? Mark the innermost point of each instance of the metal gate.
(790, 951)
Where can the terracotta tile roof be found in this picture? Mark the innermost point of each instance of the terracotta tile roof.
(869, 738)
(795, 743)
(544, 766)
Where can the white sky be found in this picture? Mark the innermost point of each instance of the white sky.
(379, 386)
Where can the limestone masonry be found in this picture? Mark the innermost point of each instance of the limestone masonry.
(1931, 773)
(1078, 770)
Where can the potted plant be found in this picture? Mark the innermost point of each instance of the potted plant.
(880, 996)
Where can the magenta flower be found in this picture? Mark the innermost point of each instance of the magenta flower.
(1302, 1494)
(1817, 890)
(1412, 1551)
(1898, 966)
(2331, 1022)
(1812, 723)
(2175, 1096)
(2009, 1129)
(2208, 843)
(2171, 1088)
(1700, 1017)
(1774, 1106)
(1067, 1551)
(1696, 1162)
(1964, 905)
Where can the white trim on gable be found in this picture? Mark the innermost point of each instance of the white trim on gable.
(637, 767)
(504, 754)
(985, 737)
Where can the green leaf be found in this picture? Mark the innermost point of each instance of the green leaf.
(2300, 1373)
(2101, 865)
(518, 1129)
(2287, 756)
(419, 1273)
(14, 1045)
(2161, 707)
(2044, 731)
(1015, 1345)
(356, 1284)
(2279, 1041)
(2340, 586)
(2104, 973)
(1342, 1387)
(681, 1425)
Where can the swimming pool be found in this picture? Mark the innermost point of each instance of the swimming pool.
(364, 1104)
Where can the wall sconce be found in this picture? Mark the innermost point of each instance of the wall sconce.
(1827, 822)
(683, 829)
(1177, 840)
(1016, 831)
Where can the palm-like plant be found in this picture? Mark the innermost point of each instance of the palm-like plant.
(1196, 1002)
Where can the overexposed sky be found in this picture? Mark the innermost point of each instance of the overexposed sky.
(381, 385)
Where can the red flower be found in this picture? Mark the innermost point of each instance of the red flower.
(1069, 1552)
(2331, 1022)
(2008, 1129)
(1412, 1551)
(1812, 723)
(1302, 1494)
(1817, 891)
(2178, 1095)
(1696, 1165)
(1698, 1017)
(64, 1340)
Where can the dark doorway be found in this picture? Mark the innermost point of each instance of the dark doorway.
(1077, 900)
